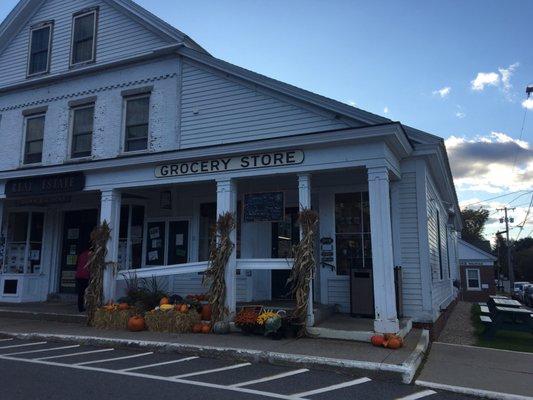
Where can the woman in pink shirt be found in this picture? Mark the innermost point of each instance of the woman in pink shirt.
(82, 277)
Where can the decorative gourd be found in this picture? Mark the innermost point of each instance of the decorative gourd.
(123, 306)
(206, 312)
(136, 324)
(164, 300)
(206, 328)
(197, 328)
(394, 343)
(377, 340)
(166, 307)
(184, 308)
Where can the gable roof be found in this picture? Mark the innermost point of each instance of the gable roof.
(23, 11)
(481, 254)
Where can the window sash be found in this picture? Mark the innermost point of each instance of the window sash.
(473, 279)
(83, 38)
(34, 140)
(39, 53)
(137, 123)
(82, 131)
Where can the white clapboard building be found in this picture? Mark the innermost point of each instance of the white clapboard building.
(109, 113)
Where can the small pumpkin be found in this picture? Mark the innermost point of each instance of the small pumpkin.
(377, 340)
(136, 324)
(197, 328)
(206, 328)
(164, 300)
(123, 306)
(394, 343)
(206, 312)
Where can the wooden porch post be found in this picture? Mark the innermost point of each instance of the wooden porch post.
(304, 199)
(227, 202)
(110, 212)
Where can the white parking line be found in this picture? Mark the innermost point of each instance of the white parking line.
(210, 371)
(270, 378)
(159, 364)
(332, 387)
(6, 340)
(155, 377)
(418, 395)
(73, 354)
(44, 350)
(115, 359)
(22, 345)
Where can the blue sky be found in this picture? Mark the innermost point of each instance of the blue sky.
(392, 58)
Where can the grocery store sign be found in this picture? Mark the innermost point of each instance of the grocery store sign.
(223, 164)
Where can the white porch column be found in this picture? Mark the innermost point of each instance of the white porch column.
(227, 202)
(386, 320)
(304, 199)
(110, 212)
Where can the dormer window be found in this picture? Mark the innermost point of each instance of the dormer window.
(84, 37)
(40, 45)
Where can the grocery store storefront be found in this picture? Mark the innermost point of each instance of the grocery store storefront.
(162, 209)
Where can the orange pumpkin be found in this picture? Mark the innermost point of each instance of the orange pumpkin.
(136, 324)
(184, 308)
(197, 328)
(377, 340)
(206, 328)
(164, 300)
(394, 343)
(123, 306)
(206, 312)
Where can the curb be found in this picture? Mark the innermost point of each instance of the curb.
(404, 371)
(415, 358)
(473, 392)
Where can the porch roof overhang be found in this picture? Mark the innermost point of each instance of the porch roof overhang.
(391, 134)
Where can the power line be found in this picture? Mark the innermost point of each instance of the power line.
(496, 197)
(525, 219)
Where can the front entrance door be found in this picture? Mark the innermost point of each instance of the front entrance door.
(77, 230)
(285, 235)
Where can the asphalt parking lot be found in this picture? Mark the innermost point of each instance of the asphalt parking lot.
(63, 370)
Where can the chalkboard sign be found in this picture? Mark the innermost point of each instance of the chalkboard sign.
(264, 207)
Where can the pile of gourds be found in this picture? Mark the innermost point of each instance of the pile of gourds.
(388, 340)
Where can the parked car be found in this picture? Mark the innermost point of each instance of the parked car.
(527, 295)
(517, 289)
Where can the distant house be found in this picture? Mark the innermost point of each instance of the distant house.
(108, 113)
(476, 272)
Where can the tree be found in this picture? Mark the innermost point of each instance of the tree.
(523, 257)
(473, 224)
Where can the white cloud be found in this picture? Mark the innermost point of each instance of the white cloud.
(528, 103)
(506, 74)
(443, 93)
(484, 79)
(460, 114)
(495, 163)
(386, 110)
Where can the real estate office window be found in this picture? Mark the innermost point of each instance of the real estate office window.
(84, 37)
(82, 131)
(40, 49)
(136, 123)
(33, 140)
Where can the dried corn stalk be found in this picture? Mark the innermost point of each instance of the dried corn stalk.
(303, 271)
(219, 255)
(94, 293)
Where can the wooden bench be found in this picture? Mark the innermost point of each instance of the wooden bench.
(485, 319)
(484, 310)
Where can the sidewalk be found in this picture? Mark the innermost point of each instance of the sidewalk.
(491, 373)
(318, 353)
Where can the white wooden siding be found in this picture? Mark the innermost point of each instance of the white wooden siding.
(339, 292)
(217, 109)
(118, 37)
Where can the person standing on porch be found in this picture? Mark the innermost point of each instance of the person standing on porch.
(82, 277)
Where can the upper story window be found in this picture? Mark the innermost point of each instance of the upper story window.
(82, 131)
(33, 143)
(136, 123)
(84, 37)
(40, 49)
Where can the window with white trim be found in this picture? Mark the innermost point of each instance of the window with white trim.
(136, 123)
(84, 37)
(473, 279)
(39, 50)
(34, 137)
(82, 131)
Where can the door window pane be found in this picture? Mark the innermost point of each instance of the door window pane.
(83, 38)
(137, 114)
(178, 242)
(155, 248)
(39, 50)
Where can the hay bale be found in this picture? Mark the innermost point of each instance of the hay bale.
(112, 319)
(171, 321)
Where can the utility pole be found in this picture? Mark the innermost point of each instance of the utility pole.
(509, 266)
